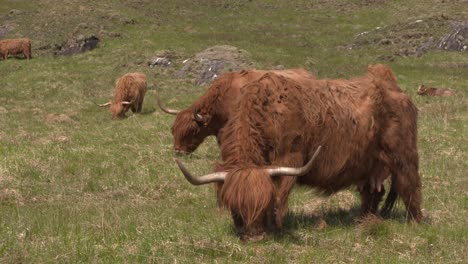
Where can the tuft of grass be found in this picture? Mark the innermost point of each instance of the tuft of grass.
(373, 226)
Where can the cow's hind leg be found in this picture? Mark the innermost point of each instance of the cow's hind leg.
(389, 202)
(140, 106)
(408, 186)
(401, 157)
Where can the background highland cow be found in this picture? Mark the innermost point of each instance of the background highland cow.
(15, 47)
(129, 93)
(209, 113)
(433, 91)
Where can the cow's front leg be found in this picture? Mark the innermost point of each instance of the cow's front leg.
(284, 187)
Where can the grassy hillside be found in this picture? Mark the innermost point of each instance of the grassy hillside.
(76, 186)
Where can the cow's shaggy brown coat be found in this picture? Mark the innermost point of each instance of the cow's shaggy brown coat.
(14, 47)
(366, 125)
(129, 93)
(217, 105)
(432, 91)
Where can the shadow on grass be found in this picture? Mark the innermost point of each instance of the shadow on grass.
(16, 57)
(333, 219)
(148, 111)
(339, 217)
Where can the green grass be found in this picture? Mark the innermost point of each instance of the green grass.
(76, 186)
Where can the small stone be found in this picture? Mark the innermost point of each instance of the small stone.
(15, 12)
(80, 37)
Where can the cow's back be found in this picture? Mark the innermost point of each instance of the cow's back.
(291, 119)
(232, 91)
(130, 86)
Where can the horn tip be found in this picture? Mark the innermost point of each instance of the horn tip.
(178, 163)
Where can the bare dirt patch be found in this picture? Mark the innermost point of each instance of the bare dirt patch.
(8, 196)
(58, 118)
(77, 45)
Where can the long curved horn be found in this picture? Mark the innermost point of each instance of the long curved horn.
(209, 178)
(288, 171)
(197, 116)
(220, 176)
(126, 103)
(165, 109)
(106, 104)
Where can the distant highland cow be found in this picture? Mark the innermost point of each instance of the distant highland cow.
(432, 91)
(130, 91)
(14, 47)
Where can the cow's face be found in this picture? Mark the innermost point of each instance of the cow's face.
(190, 131)
(249, 196)
(118, 110)
(249, 193)
(422, 90)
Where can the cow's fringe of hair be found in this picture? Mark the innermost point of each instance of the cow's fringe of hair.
(247, 192)
(185, 125)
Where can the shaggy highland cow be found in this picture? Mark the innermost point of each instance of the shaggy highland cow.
(14, 47)
(432, 91)
(366, 127)
(209, 113)
(129, 93)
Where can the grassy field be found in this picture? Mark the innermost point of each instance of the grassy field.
(77, 187)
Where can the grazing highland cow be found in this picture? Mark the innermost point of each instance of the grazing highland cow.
(366, 125)
(431, 91)
(209, 113)
(129, 92)
(14, 47)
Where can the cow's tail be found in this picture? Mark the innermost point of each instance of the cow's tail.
(382, 71)
(383, 76)
(389, 202)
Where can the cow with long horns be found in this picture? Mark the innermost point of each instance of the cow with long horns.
(209, 113)
(366, 127)
(129, 93)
